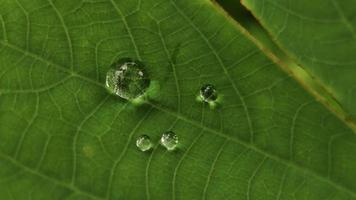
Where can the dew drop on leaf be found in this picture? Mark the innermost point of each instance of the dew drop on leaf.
(208, 93)
(144, 143)
(127, 78)
(169, 140)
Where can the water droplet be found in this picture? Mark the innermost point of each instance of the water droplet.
(127, 78)
(169, 140)
(144, 143)
(208, 93)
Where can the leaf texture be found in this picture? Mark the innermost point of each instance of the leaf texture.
(320, 36)
(62, 136)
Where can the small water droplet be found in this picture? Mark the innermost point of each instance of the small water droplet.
(208, 93)
(169, 140)
(144, 143)
(127, 78)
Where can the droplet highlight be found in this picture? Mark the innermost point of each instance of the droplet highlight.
(127, 78)
(208, 93)
(144, 143)
(169, 140)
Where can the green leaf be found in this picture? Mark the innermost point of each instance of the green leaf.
(320, 36)
(239, 13)
(63, 136)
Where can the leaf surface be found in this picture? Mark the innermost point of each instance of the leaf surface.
(320, 36)
(62, 136)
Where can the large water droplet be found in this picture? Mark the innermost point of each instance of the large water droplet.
(127, 78)
(169, 140)
(144, 143)
(208, 93)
